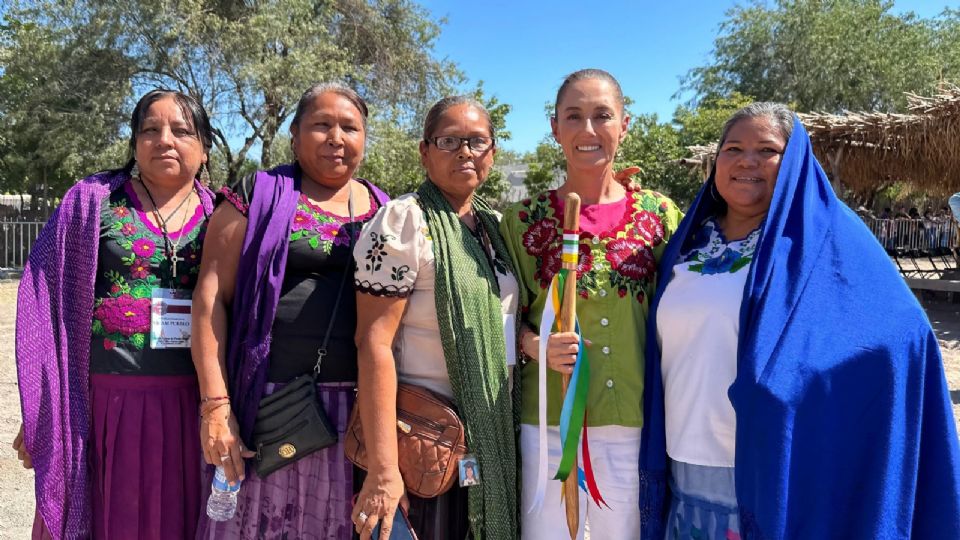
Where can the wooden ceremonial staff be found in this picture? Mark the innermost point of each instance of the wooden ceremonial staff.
(568, 322)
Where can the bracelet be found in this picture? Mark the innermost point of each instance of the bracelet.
(217, 398)
(208, 410)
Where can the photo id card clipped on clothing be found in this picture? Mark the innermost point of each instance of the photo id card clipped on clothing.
(170, 318)
(469, 471)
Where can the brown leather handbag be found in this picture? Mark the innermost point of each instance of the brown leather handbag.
(430, 441)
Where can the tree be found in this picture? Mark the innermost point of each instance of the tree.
(248, 62)
(392, 159)
(62, 99)
(546, 166)
(829, 55)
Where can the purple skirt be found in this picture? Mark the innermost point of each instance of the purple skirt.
(308, 499)
(145, 456)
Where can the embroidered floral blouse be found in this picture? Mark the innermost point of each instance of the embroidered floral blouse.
(615, 277)
(131, 263)
(318, 254)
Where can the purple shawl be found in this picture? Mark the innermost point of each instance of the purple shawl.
(263, 260)
(54, 314)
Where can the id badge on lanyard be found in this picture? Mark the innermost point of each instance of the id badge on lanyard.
(170, 318)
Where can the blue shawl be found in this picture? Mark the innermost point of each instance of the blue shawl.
(844, 422)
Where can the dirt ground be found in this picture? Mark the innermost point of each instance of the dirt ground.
(16, 483)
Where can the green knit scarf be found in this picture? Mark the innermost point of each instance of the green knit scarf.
(471, 329)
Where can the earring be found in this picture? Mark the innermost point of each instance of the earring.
(204, 174)
(135, 170)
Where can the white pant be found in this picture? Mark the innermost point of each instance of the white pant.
(615, 452)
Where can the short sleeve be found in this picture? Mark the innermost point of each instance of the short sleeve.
(390, 251)
(239, 194)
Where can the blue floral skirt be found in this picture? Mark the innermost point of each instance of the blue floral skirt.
(703, 503)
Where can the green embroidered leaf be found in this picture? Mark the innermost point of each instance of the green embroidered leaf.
(97, 328)
(739, 263)
(152, 280)
(128, 260)
(696, 268)
(649, 203)
(141, 290)
(314, 242)
(296, 236)
(138, 340)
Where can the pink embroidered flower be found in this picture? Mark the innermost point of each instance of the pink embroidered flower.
(114, 289)
(631, 258)
(128, 229)
(109, 344)
(648, 226)
(331, 231)
(144, 247)
(124, 314)
(539, 236)
(303, 220)
(139, 269)
(121, 211)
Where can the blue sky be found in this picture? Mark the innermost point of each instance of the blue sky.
(521, 50)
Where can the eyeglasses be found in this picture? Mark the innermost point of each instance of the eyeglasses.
(452, 144)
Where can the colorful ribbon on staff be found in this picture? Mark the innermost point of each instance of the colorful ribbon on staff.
(573, 412)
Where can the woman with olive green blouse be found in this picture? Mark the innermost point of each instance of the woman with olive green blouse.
(622, 235)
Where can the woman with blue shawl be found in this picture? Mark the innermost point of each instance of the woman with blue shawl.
(795, 388)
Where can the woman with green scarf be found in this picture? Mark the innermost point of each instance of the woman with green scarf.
(436, 304)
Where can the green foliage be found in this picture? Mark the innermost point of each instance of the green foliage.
(61, 97)
(247, 62)
(392, 158)
(828, 55)
(546, 167)
(703, 124)
(654, 147)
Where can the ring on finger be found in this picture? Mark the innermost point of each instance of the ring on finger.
(224, 457)
(362, 516)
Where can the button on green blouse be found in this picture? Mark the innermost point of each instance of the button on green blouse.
(616, 277)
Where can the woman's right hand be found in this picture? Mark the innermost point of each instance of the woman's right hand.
(562, 348)
(378, 500)
(219, 436)
(21, 447)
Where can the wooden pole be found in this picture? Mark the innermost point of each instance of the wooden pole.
(568, 317)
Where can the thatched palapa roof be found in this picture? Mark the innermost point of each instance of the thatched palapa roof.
(866, 151)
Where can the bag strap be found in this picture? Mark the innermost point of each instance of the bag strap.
(322, 351)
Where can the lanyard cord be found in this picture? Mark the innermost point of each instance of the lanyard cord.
(169, 247)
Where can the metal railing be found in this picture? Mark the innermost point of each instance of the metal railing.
(16, 241)
(920, 248)
(915, 235)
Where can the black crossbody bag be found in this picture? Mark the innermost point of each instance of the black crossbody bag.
(291, 423)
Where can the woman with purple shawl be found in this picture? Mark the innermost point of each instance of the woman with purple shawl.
(278, 252)
(107, 385)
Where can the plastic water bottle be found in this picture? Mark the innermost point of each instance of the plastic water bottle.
(222, 503)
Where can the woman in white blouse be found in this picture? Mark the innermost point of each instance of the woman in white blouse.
(436, 303)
